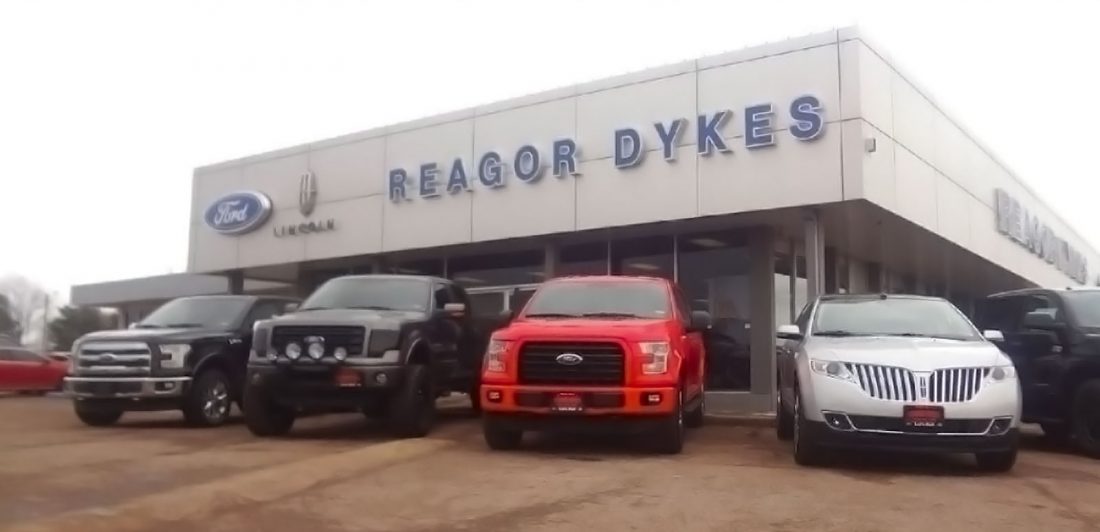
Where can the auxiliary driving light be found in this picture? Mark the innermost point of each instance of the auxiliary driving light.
(651, 398)
(272, 355)
(293, 351)
(494, 396)
(381, 378)
(340, 353)
(316, 350)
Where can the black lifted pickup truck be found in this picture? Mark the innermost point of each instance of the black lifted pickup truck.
(385, 345)
(1053, 338)
(190, 354)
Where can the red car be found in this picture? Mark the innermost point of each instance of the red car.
(22, 370)
(618, 354)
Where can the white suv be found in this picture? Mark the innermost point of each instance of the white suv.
(895, 372)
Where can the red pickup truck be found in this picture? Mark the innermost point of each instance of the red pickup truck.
(606, 353)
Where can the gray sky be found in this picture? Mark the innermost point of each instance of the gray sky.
(107, 106)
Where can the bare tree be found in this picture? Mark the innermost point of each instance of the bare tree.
(26, 304)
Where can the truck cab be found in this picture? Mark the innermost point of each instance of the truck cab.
(1053, 339)
(597, 353)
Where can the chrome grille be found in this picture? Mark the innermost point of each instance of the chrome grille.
(955, 385)
(114, 358)
(885, 382)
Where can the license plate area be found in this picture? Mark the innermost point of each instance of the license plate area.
(567, 403)
(923, 417)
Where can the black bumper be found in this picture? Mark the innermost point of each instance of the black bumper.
(577, 423)
(317, 386)
(825, 436)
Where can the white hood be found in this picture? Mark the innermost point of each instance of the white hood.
(917, 354)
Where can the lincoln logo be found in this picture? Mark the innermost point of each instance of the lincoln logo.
(569, 359)
(307, 193)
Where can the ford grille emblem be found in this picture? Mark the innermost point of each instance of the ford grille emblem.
(238, 213)
(569, 359)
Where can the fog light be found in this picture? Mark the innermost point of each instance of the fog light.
(1000, 426)
(651, 398)
(381, 378)
(494, 396)
(838, 421)
(293, 351)
(272, 355)
(316, 351)
(340, 353)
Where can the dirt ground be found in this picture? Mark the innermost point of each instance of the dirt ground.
(341, 473)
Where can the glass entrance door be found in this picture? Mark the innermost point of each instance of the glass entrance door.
(492, 301)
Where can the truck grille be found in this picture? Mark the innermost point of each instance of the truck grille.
(349, 337)
(114, 358)
(602, 364)
(956, 385)
(885, 382)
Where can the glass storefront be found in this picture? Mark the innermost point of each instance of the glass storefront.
(785, 268)
(648, 256)
(583, 259)
(498, 269)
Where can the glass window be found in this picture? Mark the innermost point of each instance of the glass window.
(1085, 305)
(893, 316)
(784, 310)
(209, 312)
(583, 259)
(600, 299)
(650, 257)
(519, 267)
(379, 293)
(265, 310)
(714, 275)
(443, 296)
(417, 267)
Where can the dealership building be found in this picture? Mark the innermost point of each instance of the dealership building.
(756, 179)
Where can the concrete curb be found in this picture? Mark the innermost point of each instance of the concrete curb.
(741, 420)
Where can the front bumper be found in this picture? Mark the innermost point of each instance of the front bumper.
(536, 401)
(136, 388)
(826, 436)
(316, 386)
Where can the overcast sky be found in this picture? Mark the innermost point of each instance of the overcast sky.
(106, 106)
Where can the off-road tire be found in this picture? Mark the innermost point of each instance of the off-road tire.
(412, 408)
(501, 439)
(209, 400)
(996, 462)
(94, 416)
(1085, 423)
(670, 436)
(263, 417)
(784, 420)
(806, 450)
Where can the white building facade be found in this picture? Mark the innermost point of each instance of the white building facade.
(756, 179)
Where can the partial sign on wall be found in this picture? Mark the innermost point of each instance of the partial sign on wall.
(1023, 227)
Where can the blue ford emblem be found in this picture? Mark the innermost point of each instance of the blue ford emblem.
(569, 359)
(238, 213)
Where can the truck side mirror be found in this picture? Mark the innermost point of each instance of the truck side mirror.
(456, 310)
(993, 336)
(290, 308)
(506, 316)
(788, 332)
(1043, 320)
(700, 321)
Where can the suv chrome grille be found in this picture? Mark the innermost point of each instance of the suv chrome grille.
(114, 358)
(885, 382)
(602, 363)
(956, 385)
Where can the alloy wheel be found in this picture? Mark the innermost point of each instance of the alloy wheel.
(216, 403)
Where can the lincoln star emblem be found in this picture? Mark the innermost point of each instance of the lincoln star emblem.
(307, 193)
(569, 359)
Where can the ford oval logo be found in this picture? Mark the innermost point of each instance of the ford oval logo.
(238, 213)
(569, 359)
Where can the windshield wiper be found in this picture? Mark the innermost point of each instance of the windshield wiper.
(183, 325)
(839, 333)
(610, 315)
(550, 315)
(922, 335)
(148, 326)
(371, 307)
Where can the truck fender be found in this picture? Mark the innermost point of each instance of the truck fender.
(417, 342)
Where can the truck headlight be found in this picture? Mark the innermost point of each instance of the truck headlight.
(1001, 373)
(172, 355)
(836, 370)
(495, 355)
(654, 357)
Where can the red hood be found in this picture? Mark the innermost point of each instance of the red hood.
(626, 329)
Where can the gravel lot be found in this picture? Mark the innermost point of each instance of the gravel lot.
(341, 473)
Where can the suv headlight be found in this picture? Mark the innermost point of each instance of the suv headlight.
(836, 370)
(495, 355)
(655, 357)
(172, 355)
(1001, 373)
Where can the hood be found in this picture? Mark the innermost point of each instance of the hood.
(154, 335)
(374, 319)
(630, 329)
(918, 354)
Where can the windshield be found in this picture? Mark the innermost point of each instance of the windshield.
(599, 300)
(198, 312)
(893, 316)
(1085, 306)
(368, 293)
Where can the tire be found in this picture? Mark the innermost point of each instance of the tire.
(501, 439)
(96, 416)
(806, 450)
(998, 462)
(1085, 425)
(263, 417)
(697, 417)
(1058, 432)
(412, 409)
(784, 421)
(670, 436)
(209, 400)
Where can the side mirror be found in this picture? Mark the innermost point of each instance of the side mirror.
(1041, 319)
(455, 309)
(506, 316)
(789, 332)
(993, 336)
(290, 308)
(700, 321)
(132, 325)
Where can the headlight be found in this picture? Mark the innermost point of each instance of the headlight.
(495, 355)
(316, 350)
(293, 350)
(1001, 373)
(655, 355)
(836, 370)
(172, 355)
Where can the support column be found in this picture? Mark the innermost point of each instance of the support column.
(815, 254)
(762, 313)
(236, 281)
(551, 260)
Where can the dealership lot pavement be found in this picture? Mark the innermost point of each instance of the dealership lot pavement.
(340, 473)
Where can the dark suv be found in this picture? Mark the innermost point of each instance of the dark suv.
(1053, 338)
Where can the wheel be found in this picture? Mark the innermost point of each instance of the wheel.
(1085, 425)
(263, 417)
(1058, 432)
(997, 462)
(96, 416)
(475, 399)
(696, 417)
(501, 439)
(670, 436)
(412, 410)
(784, 421)
(207, 402)
(806, 450)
